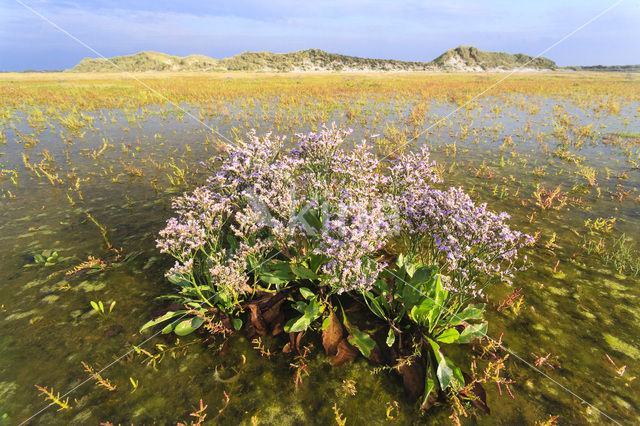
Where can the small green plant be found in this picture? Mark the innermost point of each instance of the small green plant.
(134, 383)
(339, 418)
(154, 359)
(588, 173)
(200, 415)
(600, 225)
(47, 258)
(99, 308)
(618, 252)
(623, 256)
(181, 326)
(54, 398)
(550, 198)
(310, 310)
(105, 383)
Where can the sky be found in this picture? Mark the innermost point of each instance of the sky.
(388, 29)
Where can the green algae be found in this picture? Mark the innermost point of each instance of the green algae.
(7, 389)
(618, 345)
(50, 299)
(89, 287)
(21, 315)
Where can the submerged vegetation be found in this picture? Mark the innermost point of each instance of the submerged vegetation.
(319, 278)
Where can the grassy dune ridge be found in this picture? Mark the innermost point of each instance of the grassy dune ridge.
(462, 58)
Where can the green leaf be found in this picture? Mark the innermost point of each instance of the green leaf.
(295, 325)
(410, 268)
(312, 218)
(381, 285)
(473, 331)
(429, 387)
(169, 328)
(276, 273)
(362, 341)
(188, 326)
(447, 371)
(421, 313)
(271, 278)
(445, 374)
(306, 293)
(304, 272)
(423, 275)
(94, 305)
(457, 373)
(410, 297)
(325, 323)
(310, 313)
(436, 349)
(441, 295)
(223, 297)
(471, 312)
(253, 263)
(237, 324)
(450, 335)
(300, 306)
(168, 315)
(316, 261)
(374, 305)
(179, 281)
(233, 243)
(128, 258)
(391, 337)
(38, 258)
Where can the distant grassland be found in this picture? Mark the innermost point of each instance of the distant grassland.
(116, 90)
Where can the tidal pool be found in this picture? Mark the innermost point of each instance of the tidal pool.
(87, 177)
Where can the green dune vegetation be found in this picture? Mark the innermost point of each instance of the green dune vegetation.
(147, 61)
(606, 68)
(473, 59)
(462, 58)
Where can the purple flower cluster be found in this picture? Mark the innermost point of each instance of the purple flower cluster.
(260, 192)
(201, 215)
(471, 240)
(470, 243)
(358, 227)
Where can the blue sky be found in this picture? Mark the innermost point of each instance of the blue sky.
(395, 29)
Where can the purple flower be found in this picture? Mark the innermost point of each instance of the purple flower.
(345, 205)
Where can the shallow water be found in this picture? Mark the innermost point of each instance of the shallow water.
(576, 306)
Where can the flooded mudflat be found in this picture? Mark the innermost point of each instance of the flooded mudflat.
(89, 166)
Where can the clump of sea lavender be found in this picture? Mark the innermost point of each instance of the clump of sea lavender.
(344, 207)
